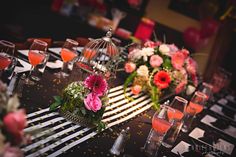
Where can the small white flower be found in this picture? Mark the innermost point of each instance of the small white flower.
(143, 71)
(164, 49)
(147, 51)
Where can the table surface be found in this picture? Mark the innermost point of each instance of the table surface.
(41, 95)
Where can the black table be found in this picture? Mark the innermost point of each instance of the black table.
(41, 95)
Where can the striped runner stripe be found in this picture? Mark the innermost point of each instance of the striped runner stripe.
(119, 110)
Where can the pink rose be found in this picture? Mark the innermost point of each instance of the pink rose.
(180, 87)
(177, 60)
(156, 61)
(130, 67)
(15, 122)
(191, 66)
(136, 89)
(152, 44)
(93, 102)
(185, 52)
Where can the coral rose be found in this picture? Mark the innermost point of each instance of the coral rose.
(155, 61)
(177, 60)
(162, 79)
(136, 89)
(130, 67)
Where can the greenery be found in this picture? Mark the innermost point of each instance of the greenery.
(72, 100)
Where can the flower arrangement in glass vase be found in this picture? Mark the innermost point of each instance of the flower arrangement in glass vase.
(160, 69)
(12, 123)
(84, 102)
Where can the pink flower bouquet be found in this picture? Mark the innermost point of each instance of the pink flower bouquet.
(160, 68)
(84, 99)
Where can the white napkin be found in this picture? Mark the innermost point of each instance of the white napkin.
(55, 65)
(26, 66)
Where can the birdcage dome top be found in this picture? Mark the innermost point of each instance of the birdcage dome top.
(99, 55)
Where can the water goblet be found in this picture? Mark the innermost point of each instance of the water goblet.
(179, 105)
(68, 55)
(194, 107)
(161, 123)
(7, 50)
(37, 54)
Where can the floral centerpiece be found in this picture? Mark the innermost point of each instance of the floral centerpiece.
(84, 101)
(12, 123)
(160, 68)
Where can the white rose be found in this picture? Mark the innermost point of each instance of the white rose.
(164, 49)
(147, 51)
(143, 71)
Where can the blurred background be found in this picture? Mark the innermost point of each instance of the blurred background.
(206, 27)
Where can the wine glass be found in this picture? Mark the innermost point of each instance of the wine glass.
(206, 88)
(161, 123)
(194, 107)
(37, 54)
(68, 55)
(179, 105)
(7, 50)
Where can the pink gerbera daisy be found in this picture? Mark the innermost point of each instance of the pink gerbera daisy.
(96, 83)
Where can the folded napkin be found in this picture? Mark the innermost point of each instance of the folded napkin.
(23, 68)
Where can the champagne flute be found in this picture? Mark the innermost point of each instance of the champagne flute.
(68, 55)
(179, 105)
(37, 55)
(161, 123)
(194, 107)
(7, 50)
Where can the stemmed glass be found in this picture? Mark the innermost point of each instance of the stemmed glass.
(68, 55)
(179, 104)
(37, 54)
(161, 123)
(7, 50)
(194, 107)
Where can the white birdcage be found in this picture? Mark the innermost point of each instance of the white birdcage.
(100, 56)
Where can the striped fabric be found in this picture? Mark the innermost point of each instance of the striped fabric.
(58, 135)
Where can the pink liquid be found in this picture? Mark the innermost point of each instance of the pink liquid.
(160, 125)
(175, 115)
(35, 58)
(198, 108)
(67, 55)
(4, 61)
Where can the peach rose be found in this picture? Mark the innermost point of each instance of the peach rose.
(130, 67)
(136, 89)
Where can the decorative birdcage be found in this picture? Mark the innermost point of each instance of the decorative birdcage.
(100, 56)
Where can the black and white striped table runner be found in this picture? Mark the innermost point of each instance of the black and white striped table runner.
(65, 135)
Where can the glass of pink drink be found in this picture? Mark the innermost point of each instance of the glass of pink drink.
(195, 106)
(6, 54)
(179, 105)
(37, 55)
(68, 55)
(161, 123)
